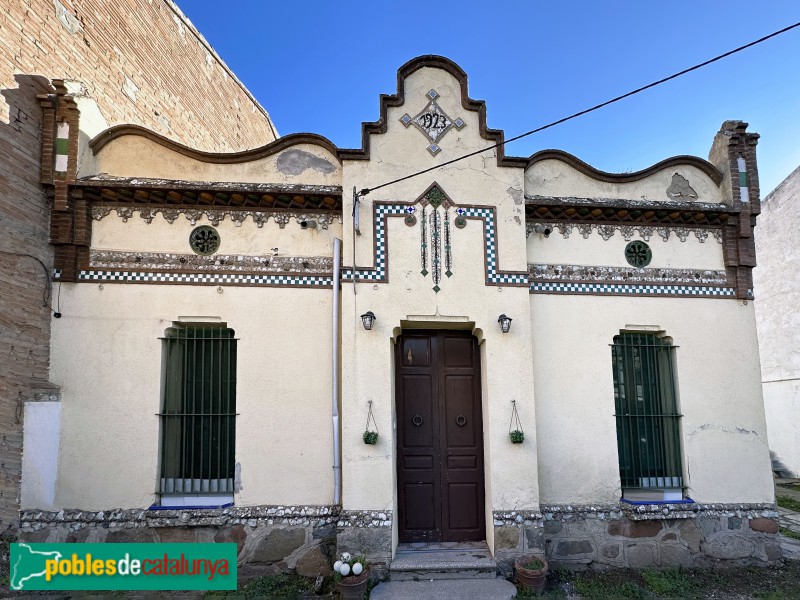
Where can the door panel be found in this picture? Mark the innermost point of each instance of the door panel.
(440, 438)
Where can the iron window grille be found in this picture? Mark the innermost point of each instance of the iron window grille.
(648, 422)
(198, 417)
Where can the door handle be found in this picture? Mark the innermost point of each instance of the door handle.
(417, 420)
(461, 420)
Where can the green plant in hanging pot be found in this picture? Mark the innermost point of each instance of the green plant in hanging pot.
(370, 437)
(515, 433)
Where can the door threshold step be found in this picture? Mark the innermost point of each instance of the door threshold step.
(471, 562)
(454, 589)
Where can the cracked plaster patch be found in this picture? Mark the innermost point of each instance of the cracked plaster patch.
(516, 195)
(294, 162)
(680, 189)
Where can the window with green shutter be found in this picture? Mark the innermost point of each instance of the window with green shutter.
(198, 416)
(648, 422)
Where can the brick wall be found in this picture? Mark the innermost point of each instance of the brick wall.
(142, 62)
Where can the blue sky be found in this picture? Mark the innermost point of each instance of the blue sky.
(320, 66)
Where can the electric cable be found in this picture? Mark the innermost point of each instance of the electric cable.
(366, 191)
(48, 290)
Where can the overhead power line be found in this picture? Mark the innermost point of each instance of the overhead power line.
(366, 191)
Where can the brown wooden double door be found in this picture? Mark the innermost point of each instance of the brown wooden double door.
(439, 437)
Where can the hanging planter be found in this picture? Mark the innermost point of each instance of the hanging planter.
(515, 433)
(371, 437)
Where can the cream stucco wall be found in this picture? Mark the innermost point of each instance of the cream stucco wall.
(553, 177)
(136, 235)
(107, 359)
(723, 427)
(368, 358)
(595, 251)
(137, 156)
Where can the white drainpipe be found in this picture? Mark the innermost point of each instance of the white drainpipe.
(337, 451)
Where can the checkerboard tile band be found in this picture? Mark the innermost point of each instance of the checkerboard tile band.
(632, 290)
(206, 278)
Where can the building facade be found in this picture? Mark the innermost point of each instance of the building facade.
(777, 319)
(109, 57)
(230, 322)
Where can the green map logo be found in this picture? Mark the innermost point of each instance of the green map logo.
(122, 567)
(27, 564)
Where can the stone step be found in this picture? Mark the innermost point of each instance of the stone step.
(441, 564)
(451, 589)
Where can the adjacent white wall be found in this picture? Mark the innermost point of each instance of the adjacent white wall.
(40, 441)
(777, 292)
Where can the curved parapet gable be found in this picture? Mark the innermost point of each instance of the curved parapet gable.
(133, 151)
(680, 178)
(386, 101)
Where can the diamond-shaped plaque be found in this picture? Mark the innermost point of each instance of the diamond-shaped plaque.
(433, 122)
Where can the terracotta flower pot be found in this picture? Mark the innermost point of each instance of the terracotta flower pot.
(353, 587)
(531, 578)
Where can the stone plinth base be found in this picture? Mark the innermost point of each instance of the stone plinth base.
(269, 538)
(653, 536)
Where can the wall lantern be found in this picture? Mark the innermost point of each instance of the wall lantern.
(505, 323)
(368, 318)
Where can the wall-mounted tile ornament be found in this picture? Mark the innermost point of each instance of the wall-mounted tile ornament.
(440, 236)
(555, 273)
(436, 261)
(214, 216)
(110, 260)
(461, 222)
(448, 255)
(638, 254)
(411, 218)
(206, 278)
(204, 240)
(493, 276)
(435, 197)
(628, 231)
(423, 245)
(632, 290)
(432, 122)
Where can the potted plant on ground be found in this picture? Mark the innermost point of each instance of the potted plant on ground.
(531, 572)
(351, 574)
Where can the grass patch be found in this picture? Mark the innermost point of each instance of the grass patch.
(602, 589)
(776, 582)
(788, 503)
(789, 533)
(281, 585)
(774, 595)
(669, 583)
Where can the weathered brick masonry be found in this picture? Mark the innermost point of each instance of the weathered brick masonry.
(141, 62)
